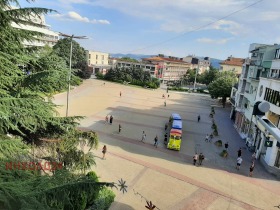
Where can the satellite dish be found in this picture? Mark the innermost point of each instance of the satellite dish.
(264, 106)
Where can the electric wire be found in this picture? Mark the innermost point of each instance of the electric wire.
(197, 28)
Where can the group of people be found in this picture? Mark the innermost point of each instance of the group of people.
(163, 96)
(198, 158)
(239, 161)
(109, 120)
(208, 138)
(144, 139)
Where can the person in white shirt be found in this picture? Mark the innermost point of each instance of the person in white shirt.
(143, 136)
(239, 161)
(207, 138)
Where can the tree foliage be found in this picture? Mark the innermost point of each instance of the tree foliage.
(78, 61)
(135, 76)
(221, 87)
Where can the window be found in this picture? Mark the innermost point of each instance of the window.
(277, 54)
(102, 57)
(272, 96)
(96, 57)
(89, 55)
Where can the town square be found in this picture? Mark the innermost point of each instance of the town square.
(167, 177)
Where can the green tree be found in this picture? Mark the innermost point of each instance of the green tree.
(128, 59)
(209, 76)
(221, 87)
(62, 49)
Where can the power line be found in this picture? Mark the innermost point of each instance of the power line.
(198, 28)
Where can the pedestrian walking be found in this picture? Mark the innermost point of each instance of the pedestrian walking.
(111, 119)
(104, 150)
(239, 161)
(164, 103)
(120, 128)
(104, 83)
(143, 136)
(239, 152)
(198, 118)
(165, 138)
(106, 119)
(253, 157)
(251, 169)
(166, 126)
(120, 94)
(226, 146)
(211, 137)
(156, 141)
(195, 157)
(200, 159)
(207, 138)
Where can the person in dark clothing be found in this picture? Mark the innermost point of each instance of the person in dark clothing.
(120, 128)
(166, 126)
(198, 118)
(111, 119)
(165, 138)
(156, 141)
(226, 146)
(104, 150)
(239, 152)
(200, 159)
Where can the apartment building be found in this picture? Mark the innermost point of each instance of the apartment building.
(168, 68)
(121, 63)
(49, 38)
(232, 64)
(259, 81)
(196, 63)
(99, 61)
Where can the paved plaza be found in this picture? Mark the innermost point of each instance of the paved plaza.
(165, 177)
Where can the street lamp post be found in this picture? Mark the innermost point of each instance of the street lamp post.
(70, 64)
(195, 76)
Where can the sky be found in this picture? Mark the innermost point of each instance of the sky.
(173, 28)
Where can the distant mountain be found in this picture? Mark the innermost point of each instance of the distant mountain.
(214, 62)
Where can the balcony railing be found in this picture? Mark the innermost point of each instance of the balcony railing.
(232, 100)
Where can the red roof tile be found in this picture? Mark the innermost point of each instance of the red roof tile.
(233, 61)
(164, 59)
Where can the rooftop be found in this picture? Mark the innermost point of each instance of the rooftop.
(157, 58)
(233, 61)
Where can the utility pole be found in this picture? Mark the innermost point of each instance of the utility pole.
(70, 64)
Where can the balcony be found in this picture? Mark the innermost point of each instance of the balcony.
(242, 90)
(255, 78)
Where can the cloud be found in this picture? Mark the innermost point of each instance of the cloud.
(214, 41)
(73, 16)
(181, 16)
(269, 16)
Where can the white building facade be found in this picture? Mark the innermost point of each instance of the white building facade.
(259, 81)
(49, 37)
